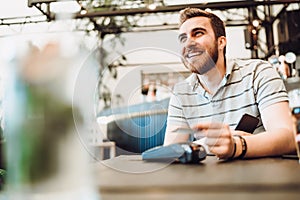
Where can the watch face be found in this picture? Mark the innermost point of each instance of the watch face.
(296, 111)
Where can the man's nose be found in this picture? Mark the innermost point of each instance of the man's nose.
(190, 42)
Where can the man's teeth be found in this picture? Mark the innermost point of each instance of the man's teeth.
(194, 54)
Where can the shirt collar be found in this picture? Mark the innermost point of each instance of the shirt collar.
(193, 79)
(229, 67)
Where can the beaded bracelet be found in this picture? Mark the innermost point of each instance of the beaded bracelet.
(244, 147)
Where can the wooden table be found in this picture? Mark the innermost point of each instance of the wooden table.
(128, 177)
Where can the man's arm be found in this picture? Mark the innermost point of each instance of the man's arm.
(279, 135)
(172, 137)
(177, 127)
(278, 138)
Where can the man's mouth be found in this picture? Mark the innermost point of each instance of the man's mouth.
(193, 54)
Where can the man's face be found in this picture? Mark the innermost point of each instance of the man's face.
(199, 45)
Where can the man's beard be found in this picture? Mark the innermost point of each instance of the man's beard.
(208, 61)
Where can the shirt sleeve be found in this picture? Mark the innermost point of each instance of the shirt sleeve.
(269, 87)
(176, 122)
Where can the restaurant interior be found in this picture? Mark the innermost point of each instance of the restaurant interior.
(85, 89)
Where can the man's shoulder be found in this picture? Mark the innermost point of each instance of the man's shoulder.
(186, 84)
(250, 62)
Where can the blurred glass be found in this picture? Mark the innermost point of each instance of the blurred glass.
(294, 96)
(45, 158)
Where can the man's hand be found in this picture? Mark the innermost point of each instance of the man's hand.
(219, 139)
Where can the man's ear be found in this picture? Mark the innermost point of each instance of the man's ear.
(222, 42)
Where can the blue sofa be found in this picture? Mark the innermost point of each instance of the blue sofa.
(138, 127)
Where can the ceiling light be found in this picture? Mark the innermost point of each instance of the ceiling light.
(83, 12)
(256, 23)
(208, 10)
(152, 6)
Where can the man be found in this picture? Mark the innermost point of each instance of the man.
(213, 99)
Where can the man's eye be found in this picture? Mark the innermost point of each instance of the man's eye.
(198, 33)
(182, 39)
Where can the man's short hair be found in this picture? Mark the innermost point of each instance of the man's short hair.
(216, 23)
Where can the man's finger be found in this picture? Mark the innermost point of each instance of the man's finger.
(208, 125)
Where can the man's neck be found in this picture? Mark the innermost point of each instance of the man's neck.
(210, 81)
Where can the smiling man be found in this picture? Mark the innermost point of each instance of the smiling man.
(220, 91)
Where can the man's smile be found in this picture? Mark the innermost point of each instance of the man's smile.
(193, 54)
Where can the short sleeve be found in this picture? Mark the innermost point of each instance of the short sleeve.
(269, 87)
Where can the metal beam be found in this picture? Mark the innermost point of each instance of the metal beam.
(22, 20)
(31, 3)
(176, 8)
(283, 10)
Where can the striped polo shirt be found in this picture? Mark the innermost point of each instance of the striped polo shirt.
(248, 86)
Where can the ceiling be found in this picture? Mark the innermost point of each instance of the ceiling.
(132, 12)
(117, 16)
(17, 8)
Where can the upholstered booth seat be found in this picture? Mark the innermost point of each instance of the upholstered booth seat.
(137, 128)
